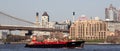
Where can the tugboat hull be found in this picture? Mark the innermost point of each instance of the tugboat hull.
(58, 45)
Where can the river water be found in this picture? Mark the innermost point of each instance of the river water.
(20, 47)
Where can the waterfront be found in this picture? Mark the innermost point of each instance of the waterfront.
(20, 47)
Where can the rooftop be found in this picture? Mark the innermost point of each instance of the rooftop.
(45, 14)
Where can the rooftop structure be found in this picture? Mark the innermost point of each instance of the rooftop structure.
(45, 14)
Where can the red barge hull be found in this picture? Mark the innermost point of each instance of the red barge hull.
(57, 45)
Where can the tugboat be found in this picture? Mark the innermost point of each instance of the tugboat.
(54, 44)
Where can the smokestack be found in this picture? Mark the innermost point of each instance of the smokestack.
(37, 14)
(73, 16)
(73, 13)
(37, 18)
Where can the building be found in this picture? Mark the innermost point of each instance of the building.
(119, 14)
(46, 23)
(45, 20)
(117, 33)
(112, 14)
(112, 27)
(62, 25)
(3, 34)
(89, 29)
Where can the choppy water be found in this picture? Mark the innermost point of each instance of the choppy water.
(20, 47)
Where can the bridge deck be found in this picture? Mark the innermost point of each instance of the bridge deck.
(31, 28)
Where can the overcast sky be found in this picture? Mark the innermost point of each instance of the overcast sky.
(58, 10)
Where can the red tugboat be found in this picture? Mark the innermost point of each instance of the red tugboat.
(55, 44)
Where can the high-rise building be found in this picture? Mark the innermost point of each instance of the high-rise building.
(111, 14)
(89, 30)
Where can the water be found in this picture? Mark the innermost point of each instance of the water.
(20, 47)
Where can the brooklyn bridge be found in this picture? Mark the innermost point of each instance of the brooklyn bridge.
(8, 22)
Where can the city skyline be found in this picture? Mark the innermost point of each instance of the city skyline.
(58, 10)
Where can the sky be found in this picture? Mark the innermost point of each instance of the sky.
(58, 10)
